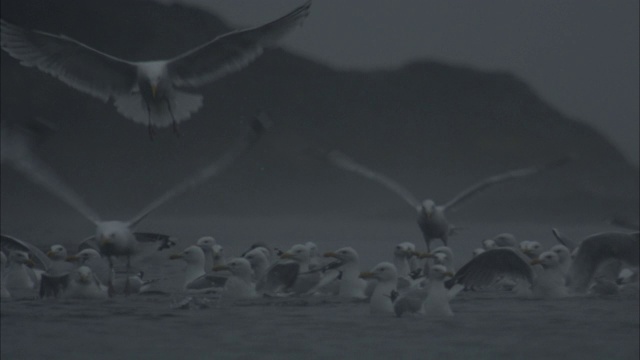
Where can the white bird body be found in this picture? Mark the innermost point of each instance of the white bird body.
(194, 257)
(83, 284)
(18, 275)
(387, 276)
(437, 301)
(350, 284)
(259, 260)
(240, 284)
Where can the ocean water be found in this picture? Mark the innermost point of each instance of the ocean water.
(486, 325)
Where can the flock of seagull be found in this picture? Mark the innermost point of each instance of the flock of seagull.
(412, 281)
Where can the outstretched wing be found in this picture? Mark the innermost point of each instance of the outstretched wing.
(10, 243)
(257, 128)
(74, 63)
(17, 151)
(500, 178)
(342, 161)
(598, 248)
(484, 269)
(231, 52)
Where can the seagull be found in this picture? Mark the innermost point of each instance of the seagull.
(432, 300)
(350, 283)
(484, 269)
(26, 264)
(240, 284)
(437, 302)
(59, 264)
(196, 278)
(431, 217)
(147, 92)
(116, 238)
(82, 283)
(599, 248)
(260, 262)
(292, 274)
(387, 276)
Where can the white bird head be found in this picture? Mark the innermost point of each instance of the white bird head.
(384, 271)
(153, 79)
(114, 236)
(191, 255)
(404, 249)
(237, 266)
(547, 259)
(299, 253)
(439, 272)
(429, 207)
(345, 254)
(562, 251)
(257, 256)
(206, 242)
(505, 240)
(57, 252)
(488, 244)
(84, 275)
(84, 255)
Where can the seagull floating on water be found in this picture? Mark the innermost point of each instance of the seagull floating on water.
(146, 92)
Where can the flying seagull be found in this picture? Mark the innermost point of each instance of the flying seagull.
(146, 92)
(431, 217)
(116, 237)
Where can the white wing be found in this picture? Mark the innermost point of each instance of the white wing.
(74, 63)
(339, 159)
(231, 52)
(17, 151)
(496, 179)
(228, 158)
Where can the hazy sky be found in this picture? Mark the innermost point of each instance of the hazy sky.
(579, 55)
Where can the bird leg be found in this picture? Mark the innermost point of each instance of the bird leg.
(175, 123)
(150, 128)
(127, 287)
(110, 290)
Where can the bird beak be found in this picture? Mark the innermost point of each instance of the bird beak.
(286, 256)
(331, 254)
(220, 268)
(50, 254)
(154, 90)
(425, 255)
(30, 263)
(366, 275)
(449, 274)
(535, 262)
(175, 256)
(72, 258)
